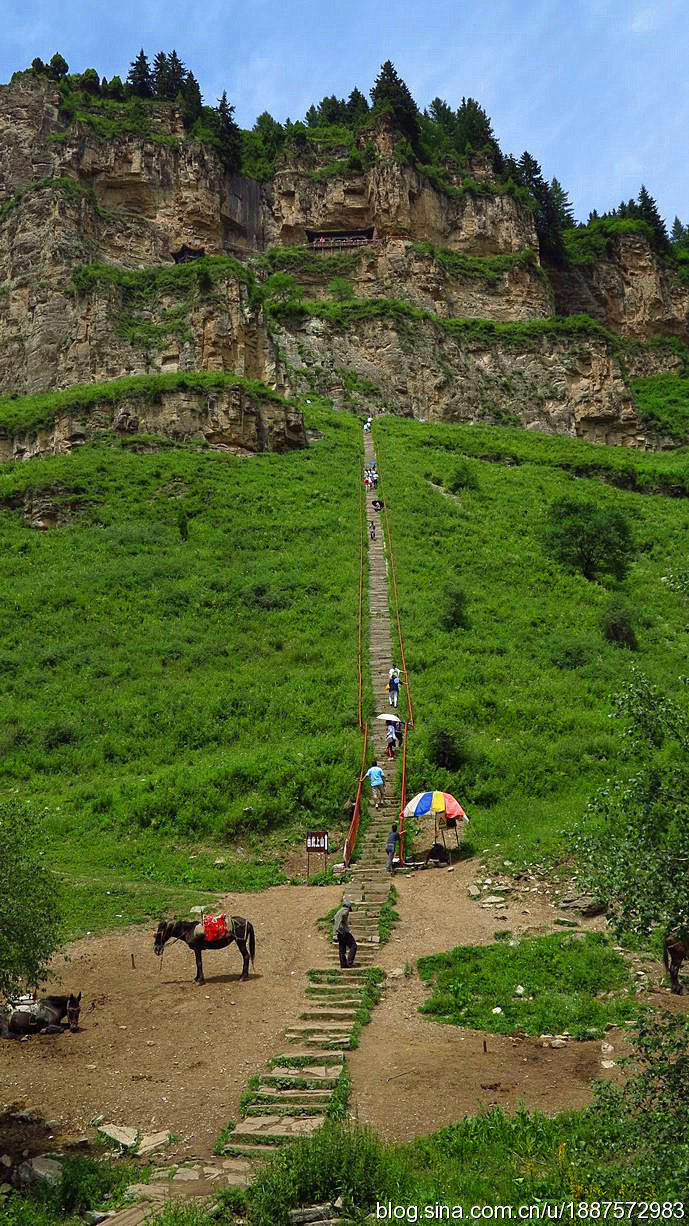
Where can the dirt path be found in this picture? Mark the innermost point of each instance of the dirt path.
(155, 1051)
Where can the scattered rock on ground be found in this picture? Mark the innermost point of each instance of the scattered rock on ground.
(39, 1170)
(152, 1140)
(126, 1137)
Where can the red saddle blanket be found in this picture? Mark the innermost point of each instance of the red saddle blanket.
(214, 927)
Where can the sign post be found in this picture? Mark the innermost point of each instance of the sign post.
(316, 844)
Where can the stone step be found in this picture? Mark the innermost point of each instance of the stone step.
(262, 1129)
(334, 1059)
(322, 1076)
(261, 1111)
(277, 1095)
(328, 1013)
(254, 1153)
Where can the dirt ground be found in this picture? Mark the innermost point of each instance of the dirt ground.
(412, 1074)
(154, 1050)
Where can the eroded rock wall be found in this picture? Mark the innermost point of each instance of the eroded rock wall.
(227, 418)
(631, 290)
(548, 383)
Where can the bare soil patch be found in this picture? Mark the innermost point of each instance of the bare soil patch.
(412, 1074)
(156, 1051)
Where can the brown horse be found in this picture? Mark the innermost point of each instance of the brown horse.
(241, 931)
(675, 950)
(49, 1015)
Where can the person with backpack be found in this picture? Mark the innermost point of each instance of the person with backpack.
(393, 687)
(391, 844)
(345, 940)
(391, 738)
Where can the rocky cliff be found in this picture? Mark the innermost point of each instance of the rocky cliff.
(90, 218)
(631, 290)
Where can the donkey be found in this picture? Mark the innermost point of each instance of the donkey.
(49, 1015)
(240, 930)
(675, 950)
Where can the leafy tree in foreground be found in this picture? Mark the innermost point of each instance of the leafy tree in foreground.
(591, 539)
(29, 930)
(635, 854)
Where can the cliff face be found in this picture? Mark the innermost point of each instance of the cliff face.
(547, 383)
(72, 195)
(225, 418)
(630, 290)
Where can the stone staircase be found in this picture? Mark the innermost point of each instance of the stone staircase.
(295, 1089)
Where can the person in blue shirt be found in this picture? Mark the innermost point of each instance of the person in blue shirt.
(376, 779)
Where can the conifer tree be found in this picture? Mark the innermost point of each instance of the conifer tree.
(58, 66)
(473, 128)
(548, 226)
(230, 136)
(443, 115)
(389, 89)
(177, 74)
(562, 204)
(679, 233)
(648, 212)
(357, 106)
(139, 76)
(38, 67)
(160, 77)
(593, 216)
(192, 102)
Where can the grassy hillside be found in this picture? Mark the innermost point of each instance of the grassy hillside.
(161, 697)
(522, 690)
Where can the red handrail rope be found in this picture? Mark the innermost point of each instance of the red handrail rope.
(393, 574)
(350, 841)
(403, 791)
(362, 571)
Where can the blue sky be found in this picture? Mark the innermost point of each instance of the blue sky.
(597, 90)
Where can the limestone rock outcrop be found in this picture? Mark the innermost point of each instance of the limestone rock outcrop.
(546, 384)
(631, 290)
(226, 418)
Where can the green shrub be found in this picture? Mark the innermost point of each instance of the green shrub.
(447, 750)
(617, 625)
(589, 538)
(341, 289)
(455, 616)
(569, 652)
(463, 477)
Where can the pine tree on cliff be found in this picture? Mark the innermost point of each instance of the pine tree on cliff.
(58, 66)
(177, 74)
(679, 233)
(192, 101)
(548, 226)
(562, 204)
(473, 129)
(139, 76)
(648, 212)
(160, 76)
(390, 90)
(357, 106)
(230, 136)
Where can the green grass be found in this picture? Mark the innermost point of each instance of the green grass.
(66, 186)
(663, 403)
(26, 413)
(524, 690)
(491, 268)
(562, 976)
(87, 1183)
(588, 244)
(164, 701)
